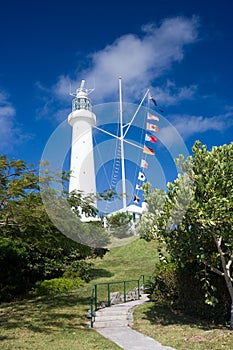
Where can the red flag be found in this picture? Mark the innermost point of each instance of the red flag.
(152, 127)
(150, 138)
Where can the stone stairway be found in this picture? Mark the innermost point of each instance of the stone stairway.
(114, 323)
(119, 315)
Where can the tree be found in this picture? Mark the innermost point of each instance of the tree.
(33, 240)
(196, 219)
(120, 224)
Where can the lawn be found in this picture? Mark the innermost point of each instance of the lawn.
(60, 323)
(179, 331)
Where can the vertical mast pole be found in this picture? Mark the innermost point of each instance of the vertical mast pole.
(122, 148)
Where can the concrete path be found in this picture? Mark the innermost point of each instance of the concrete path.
(113, 323)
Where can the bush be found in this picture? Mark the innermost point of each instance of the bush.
(183, 290)
(80, 268)
(14, 269)
(162, 286)
(56, 286)
(120, 225)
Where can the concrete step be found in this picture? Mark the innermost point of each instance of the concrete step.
(110, 311)
(119, 315)
(111, 317)
(110, 324)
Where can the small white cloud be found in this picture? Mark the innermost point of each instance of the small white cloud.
(10, 133)
(172, 95)
(188, 125)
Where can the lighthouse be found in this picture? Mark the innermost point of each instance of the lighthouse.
(82, 167)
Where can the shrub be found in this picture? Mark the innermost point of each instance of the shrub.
(56, 286)
(183, 290)
(162, 286)
(14, 269)
(79, 268)
(120, 225)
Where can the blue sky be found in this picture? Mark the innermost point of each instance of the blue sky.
(181, 50)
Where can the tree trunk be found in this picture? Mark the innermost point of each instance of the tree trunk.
(227, 274)
(231, 324)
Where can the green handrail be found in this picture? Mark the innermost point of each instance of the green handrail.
(94, 293)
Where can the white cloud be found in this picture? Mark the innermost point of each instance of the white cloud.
(138, 59)
(188, 125)
(172, 95)
(10, 133)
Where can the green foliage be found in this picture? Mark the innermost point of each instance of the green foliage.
(182, 291)
(120, 225)
(195, 219)
(95, 235)
(33, 241)
(56, 286)
(22, 264)
(13, 268)
(162, 284)
(79, 268)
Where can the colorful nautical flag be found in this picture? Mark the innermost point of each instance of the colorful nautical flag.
(138, 187)
(144, 164)
(148, 150)
(153, 100)
(152, 117)
(150, 138)
(152, 127)
(141, 176)
(136, 199)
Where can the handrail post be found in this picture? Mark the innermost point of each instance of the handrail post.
(124, 291)
(91, 313)
(96, 297)
(138, 289)
(109, 301)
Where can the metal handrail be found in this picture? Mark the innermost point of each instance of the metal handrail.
(94, 294)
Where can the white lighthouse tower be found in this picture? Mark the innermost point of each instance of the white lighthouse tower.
(82, 158)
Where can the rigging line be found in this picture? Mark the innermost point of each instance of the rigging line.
(114, 175)
(116, 165)
(115, 155)
(115, 172)
(139, 155)
(133, 144)
(145, 121)
(135, 114)
(106, 132)
(117, 137)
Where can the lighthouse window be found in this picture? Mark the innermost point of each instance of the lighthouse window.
(81, 103)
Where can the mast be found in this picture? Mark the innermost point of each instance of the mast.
(122, 147)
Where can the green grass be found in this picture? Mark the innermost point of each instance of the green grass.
(179, 331)
(50, 323)
(60, 323)
(127, 261)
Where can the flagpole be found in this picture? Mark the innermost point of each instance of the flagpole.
(122, 148)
